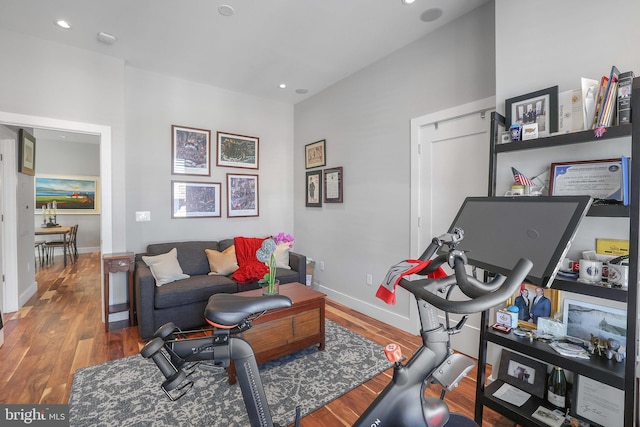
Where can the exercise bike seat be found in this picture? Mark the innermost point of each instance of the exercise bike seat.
(228, 310)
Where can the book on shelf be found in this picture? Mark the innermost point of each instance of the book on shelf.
(599, 98)
(625, 81)
(606, 110)
(589, 94)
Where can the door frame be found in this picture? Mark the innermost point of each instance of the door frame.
(417, 124)
(106, 236)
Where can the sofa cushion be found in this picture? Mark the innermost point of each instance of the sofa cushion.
(191, 255)
(165, 267)
(193, 289)
(282, 255)
(222, 263)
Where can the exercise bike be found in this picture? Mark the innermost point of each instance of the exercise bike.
(403, 401)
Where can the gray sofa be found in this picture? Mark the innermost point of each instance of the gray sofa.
(182, 302)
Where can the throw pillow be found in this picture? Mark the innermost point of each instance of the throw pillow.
(282, 255)
(222, 263)
(165, 268)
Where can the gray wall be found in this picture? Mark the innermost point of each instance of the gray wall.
(366, 122)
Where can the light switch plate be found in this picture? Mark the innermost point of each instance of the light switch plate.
(143, 216)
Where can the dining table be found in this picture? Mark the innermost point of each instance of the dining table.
(61, 230)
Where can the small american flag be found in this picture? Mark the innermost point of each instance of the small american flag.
(520, 178)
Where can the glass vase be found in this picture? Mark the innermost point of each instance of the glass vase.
(269, 289)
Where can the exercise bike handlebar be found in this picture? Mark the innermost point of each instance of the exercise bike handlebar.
(483, 295)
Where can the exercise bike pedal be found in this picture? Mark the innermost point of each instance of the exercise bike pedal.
(173, 383)
(393, 353)
(453, 370)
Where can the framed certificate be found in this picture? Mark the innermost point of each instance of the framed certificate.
(606, 179)
(597, 403)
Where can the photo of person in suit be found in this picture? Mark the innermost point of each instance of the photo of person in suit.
(540, 306)
(522, 302)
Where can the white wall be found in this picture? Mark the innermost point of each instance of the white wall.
(365, 120)
(153, 104)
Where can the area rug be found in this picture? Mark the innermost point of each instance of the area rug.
(126, 392)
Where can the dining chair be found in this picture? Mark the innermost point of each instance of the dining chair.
(68, 245)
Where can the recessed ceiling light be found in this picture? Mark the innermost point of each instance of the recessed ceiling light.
(282, 86)
(106, 38)
(431, 15)
(226, 10)
(408, 1)
(302, 91)
(63, 24)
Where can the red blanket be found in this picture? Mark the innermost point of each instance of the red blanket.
(250, 269)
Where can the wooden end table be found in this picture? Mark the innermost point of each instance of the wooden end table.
(113, 263)
(287, 330)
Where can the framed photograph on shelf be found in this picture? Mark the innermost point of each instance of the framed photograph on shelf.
(596, 403)
(315, 154)
(523, 299)
(522, 372)
(242, 195)
(190, 151)
(26, 153)
(195, 199)
(72, 194)
(313, 187)
(237, 151)
(584, 319)
(539, 107)
(333, 179)
(606, 179)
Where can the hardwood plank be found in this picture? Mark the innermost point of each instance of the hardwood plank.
(60, 330)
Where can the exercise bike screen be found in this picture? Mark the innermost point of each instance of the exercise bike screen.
(498, 231)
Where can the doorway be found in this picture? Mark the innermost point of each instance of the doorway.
(450, 161)
(10, 258)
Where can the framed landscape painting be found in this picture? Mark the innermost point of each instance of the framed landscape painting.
(237, 151)
(72, 194)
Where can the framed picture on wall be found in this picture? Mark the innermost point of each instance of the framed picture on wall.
(190, 151)
(195, 199)
(26, 153)
(237, 151)
(315, 154)
(72, 194)
(333, 179)
(242, 195)
(540, 107)
(314, 189)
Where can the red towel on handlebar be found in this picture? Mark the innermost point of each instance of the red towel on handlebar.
(387, 290)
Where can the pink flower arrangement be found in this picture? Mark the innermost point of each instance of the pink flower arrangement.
(283, 238)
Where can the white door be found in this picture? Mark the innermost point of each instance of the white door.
(452, 163)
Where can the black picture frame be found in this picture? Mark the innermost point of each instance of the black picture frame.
(315, 154)
(596, 403)
(522, 372)
(26, 153)
(313, 189)
(333, 180)
(545, 103)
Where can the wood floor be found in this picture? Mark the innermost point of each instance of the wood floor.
(60, 330)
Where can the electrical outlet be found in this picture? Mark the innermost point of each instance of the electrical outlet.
(369, 279)
(321, 265)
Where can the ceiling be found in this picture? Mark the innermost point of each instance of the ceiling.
(306, 44)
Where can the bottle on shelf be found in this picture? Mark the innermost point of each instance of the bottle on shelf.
(557, 388)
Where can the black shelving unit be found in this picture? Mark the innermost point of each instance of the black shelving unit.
(618, 375)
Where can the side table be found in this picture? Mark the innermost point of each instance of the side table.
(113, 263)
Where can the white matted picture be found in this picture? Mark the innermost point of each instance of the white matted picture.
(315, 154)
(238, 151)
(190, 150)
(599, 404)
(540, 107)
(26, 153)
(333, 180)
(522, 372)
(584, 319)
(195, 199)
(242, 195)
(71, 194)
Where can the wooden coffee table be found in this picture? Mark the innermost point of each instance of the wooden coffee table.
(287, 330)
